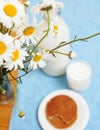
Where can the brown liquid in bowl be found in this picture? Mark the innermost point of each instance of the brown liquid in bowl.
(61, 111)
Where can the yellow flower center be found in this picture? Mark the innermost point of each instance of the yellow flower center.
(37, 58)
(56, 28)
(10, 10)
(28, 31)
(2, 47)
(15, 55)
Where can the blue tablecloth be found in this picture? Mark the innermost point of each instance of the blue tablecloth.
(83, 19)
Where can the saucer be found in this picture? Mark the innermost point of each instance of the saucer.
(82, 106)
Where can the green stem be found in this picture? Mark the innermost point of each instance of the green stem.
(45, 33)
(2, 91)
(59, 53)
(20, 76)
(13, 78)
(21, 113)
(16, 101)
(75, 40)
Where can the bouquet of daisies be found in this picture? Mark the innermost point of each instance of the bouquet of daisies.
(17, 37)
(19, 41)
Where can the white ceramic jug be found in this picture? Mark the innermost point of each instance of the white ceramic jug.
(56, 66)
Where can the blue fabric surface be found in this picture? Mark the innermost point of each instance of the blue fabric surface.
(83, 19)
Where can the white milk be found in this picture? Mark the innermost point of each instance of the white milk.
(79, 75)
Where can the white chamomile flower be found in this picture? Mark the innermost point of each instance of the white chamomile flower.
(53, 6)
(6, 47)
(58, 29)
(37, 61)
(18, 56)
(27, 34)
(11, 12)
(56, 25)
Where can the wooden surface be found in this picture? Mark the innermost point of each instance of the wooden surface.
(5, 112)
(6, 109)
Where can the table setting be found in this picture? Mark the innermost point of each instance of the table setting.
(57, 87)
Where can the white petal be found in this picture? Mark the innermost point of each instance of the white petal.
(35, 66)
(42, 64)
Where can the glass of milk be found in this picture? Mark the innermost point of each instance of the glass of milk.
(78, 75)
